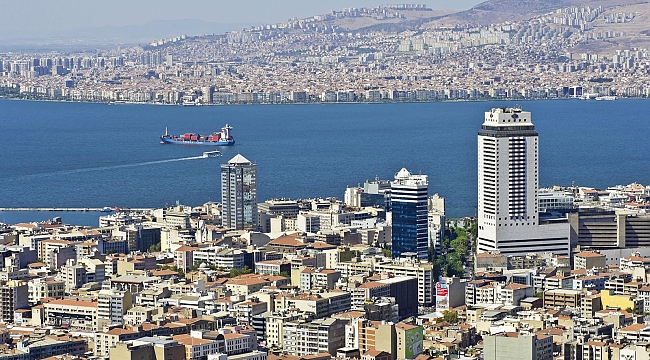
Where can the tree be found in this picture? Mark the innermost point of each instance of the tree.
(450, 317)
(181, 272)
(155, 247)
(473, 229)
(236, 272)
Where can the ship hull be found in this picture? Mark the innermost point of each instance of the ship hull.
(164, 140)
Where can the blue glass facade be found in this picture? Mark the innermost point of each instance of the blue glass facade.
(409, 215)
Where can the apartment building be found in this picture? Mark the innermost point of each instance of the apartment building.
(318, 336)
(42, 288)
(148, 348)
(74, 313)
(422, 271)
(14, 295)
(514, 346)
(112, 305)
(311, 278)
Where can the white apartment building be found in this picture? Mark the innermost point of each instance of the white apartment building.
(220, 257)
(319, 336)
(112, 305)
(436, 220)
(508, 181)
(275, 326)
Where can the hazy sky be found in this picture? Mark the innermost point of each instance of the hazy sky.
(39, 16)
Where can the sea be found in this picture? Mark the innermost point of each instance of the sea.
(65, 154)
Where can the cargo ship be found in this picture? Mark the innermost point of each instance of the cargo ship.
(221, 138)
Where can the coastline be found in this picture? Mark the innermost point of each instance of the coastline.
(314, 103)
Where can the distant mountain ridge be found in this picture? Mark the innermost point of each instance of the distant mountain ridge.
(495, 11)
(485, 13)
(131, 34)
(157, 29)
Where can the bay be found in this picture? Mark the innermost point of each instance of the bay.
(58, 154)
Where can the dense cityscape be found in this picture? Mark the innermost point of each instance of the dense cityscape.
(399, 55)
(381, 274)
(376, 272)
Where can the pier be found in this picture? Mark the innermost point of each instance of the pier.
(62, 209)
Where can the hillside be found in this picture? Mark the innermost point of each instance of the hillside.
(497, 11)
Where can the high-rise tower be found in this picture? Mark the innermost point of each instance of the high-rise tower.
(409, 195)
(239, 194)
(508, 214)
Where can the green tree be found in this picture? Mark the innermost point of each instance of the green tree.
(236, 272)
(155, 247)
(449, 317)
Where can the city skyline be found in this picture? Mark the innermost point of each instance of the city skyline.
(282, 268)
(401, 52)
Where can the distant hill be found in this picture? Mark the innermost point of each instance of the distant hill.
(157, 29)
(496, 11)
(91, 37)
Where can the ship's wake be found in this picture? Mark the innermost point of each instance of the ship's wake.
(103, 168)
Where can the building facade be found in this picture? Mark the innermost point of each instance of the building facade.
(239, 194)
(508, 210)
(409, 204)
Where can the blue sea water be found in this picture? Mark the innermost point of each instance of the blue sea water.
(95, 155)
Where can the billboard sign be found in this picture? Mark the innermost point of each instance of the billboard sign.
(413, 342)
(442, 296)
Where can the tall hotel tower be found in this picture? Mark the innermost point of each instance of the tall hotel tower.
(409, 201)
(508, 214)
(239, 194)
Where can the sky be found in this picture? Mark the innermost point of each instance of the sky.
(27, 17)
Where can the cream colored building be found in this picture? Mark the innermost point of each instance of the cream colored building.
(45, 288)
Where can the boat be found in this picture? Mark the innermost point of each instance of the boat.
(213, 153)
(606, 98)
(220, 138)
(588, 96)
